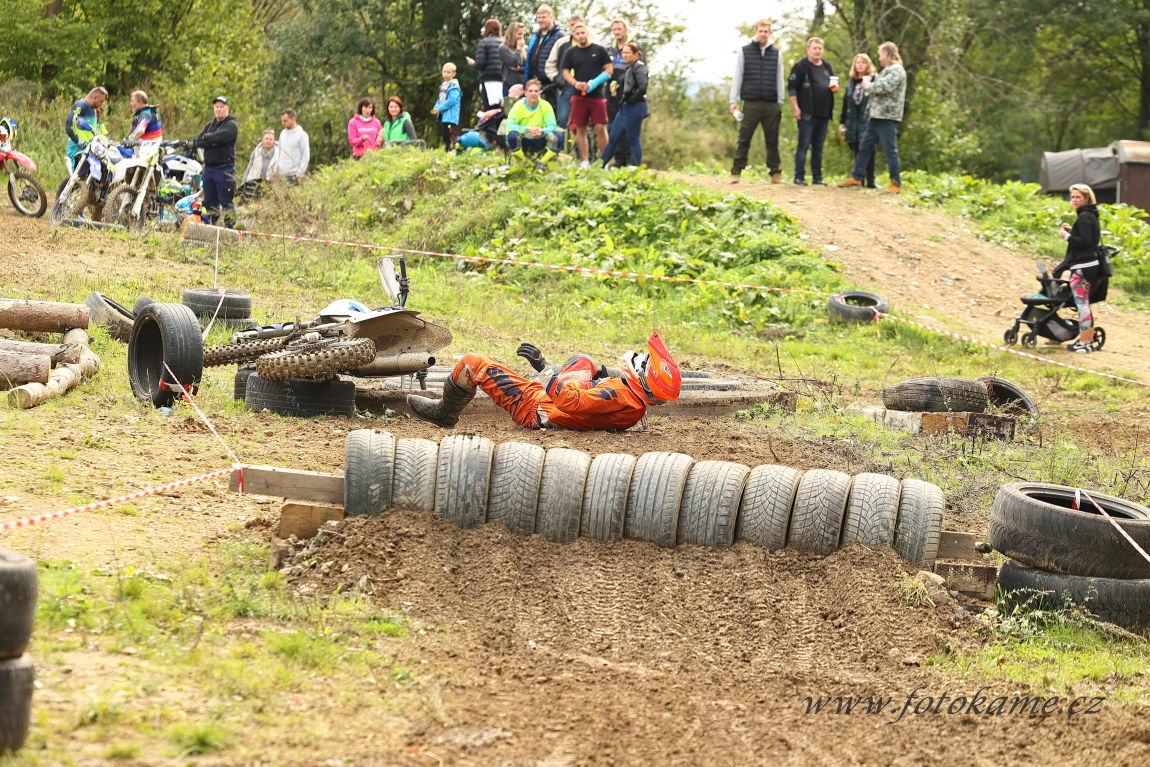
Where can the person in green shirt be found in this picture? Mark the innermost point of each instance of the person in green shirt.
(531, 125)
(397, 125)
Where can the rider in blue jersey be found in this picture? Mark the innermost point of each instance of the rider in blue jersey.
(82, 122)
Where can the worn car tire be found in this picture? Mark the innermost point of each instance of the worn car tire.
(817, 514)
(655, 497)
(104, 311)
(19, 584)
(916, 534)
(765, 510)
(164, 335)
(141, 302)
(463, 479)
(17, 682)
(872, 510)
(936, 395)
(341, 356)
(514, 494)
(369, 461)
(711, 500)
(856, 306)
(240, 385)
(1121, 601)
(605, 496)
(1035, 524)
(301, 398)
(561, 488)
(203, 301)
(1009, 397)
(413, 486)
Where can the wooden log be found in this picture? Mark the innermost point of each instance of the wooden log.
(955, 545)
(41, 316)
(16, 368)
(58, 352)
(211, 235)
(313, 486)
(64, 377)
(969, 578)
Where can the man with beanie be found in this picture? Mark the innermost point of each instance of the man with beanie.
(218, 140)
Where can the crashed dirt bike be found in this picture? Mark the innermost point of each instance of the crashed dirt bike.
(346, 337)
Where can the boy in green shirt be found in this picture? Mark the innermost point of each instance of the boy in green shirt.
(531, 124)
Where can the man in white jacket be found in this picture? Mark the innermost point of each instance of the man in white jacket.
(295, 148)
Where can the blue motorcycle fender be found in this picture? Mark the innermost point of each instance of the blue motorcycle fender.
(95, 169)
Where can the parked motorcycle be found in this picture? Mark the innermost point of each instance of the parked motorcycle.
(25, 192)
(86, 188)
(135, 181)
(346, 337)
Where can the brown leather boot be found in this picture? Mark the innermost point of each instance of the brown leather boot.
(445, 410)
(894, 188)
(851, 181)
(776, 178)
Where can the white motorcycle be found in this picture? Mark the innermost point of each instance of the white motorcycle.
(86, 188)
(135, 181)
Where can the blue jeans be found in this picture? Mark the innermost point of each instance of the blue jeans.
(812, 133)
(563, 106)
(885, 131)
(219, 188)
(628, 124)
(552, 141)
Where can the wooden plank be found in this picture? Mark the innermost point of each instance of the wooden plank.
(303, 519)
(969, 578)
(314, 486)
(984, 424)
(955, 545)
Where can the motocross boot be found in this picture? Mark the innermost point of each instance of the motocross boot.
(445, 410)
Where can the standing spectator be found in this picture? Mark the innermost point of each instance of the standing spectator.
(632, 109)
(588, 68)
(852, 119)
(363, 129)
(531, 125)
(489, 64)
(620, 36)
(446, 109)
(758, 84)
(556, 64)
(397, 125)
(265, 158)
(83, 122)
(146, 123)
(512, 55)
(887, 94)
(218, 140)
(813, 104)
(295, 148)
(539, 49)
(1088, 279)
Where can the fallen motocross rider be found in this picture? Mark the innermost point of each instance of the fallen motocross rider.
(580, 395)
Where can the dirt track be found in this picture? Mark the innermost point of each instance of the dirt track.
(589, 654)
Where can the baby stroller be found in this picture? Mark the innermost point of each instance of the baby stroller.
(485, 135)
(1042, 316)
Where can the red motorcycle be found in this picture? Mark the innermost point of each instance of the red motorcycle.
(24, 190)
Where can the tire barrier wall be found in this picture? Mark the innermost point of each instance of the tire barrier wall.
(19, 583)
(666, 498)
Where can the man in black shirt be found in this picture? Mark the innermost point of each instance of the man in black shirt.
(813, 103)
(218, 140)
(587, 67)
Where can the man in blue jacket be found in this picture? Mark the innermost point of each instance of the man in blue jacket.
(539, 49)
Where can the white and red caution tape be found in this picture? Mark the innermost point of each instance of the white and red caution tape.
(1007, 349)
(28, 521)
(1110, 519)
(192, 403)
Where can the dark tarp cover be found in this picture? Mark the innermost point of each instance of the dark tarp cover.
(1096, 167)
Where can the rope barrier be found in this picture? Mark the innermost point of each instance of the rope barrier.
(1114, 524)
(191, 403)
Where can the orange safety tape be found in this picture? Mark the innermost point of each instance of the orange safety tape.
(1007, 349)
(112, 501)
(187, 398)
(1116, 526)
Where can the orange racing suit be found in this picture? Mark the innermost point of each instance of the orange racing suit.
(603, 404)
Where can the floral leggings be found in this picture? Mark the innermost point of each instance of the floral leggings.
(1080, 289)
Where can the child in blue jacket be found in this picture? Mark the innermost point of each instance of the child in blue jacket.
(446, 109)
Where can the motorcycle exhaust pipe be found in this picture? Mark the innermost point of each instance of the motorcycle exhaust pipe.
(397, 364)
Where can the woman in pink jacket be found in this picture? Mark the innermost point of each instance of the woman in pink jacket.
(364, 129)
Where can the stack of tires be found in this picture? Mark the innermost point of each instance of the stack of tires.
(19, 583)
(1060, 553)
(229, 307)
(959, 395)
(665, 498)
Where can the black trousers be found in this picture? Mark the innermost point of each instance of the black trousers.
(755, 113)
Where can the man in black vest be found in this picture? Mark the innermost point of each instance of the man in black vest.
(758, 84)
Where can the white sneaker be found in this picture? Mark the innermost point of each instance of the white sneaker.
(584, 164)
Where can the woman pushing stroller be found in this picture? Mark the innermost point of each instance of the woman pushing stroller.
(1088, 278)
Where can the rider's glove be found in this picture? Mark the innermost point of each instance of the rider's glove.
(533, 355)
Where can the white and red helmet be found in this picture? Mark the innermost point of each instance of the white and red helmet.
(653, 376)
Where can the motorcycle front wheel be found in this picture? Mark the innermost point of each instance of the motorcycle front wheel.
(26, 193)
(70, 202)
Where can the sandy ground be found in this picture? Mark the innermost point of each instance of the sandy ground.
(592, 654)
